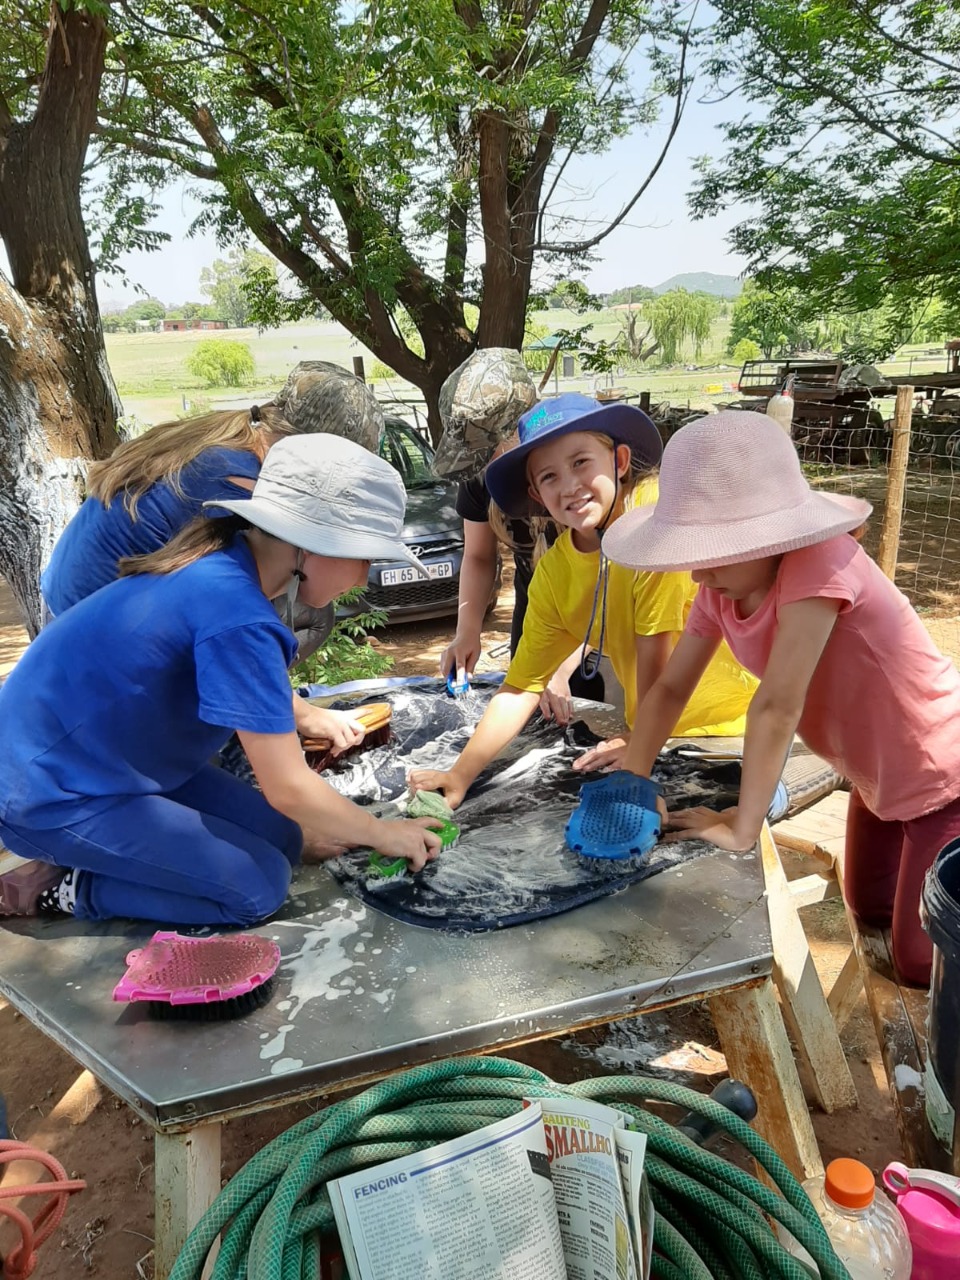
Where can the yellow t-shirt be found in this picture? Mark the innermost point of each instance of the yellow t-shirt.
(638, 604)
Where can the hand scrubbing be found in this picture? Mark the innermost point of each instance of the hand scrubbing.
(206, 979)
(431, 804)
(375, 718)
(425, 804)
(616, 818)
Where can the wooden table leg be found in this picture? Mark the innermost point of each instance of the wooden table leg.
(805, 1007)
(758, 1052)
(187, 1178)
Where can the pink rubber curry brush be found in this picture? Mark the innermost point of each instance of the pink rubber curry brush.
(203, 979)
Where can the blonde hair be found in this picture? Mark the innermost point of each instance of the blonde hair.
(632, 486)
(202, 536)
(162, 452)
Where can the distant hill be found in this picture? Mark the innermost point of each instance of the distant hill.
(702, 282)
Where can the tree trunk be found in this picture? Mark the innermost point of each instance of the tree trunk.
(58, 404)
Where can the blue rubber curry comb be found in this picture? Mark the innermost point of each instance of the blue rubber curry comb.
(616, 818)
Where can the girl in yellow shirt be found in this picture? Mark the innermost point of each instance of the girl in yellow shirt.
(586, 463)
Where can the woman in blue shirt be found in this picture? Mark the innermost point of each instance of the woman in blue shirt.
(108, 721)
(151, 487)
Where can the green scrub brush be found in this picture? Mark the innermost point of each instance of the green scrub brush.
(382, 869)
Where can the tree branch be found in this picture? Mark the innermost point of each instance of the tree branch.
(679, 106)
(125, 141)
(579, 53)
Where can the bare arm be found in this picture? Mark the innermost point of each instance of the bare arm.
(292, 788)
(320, 722)
(478, 573)
(668, 695)
(556, 702)
(508, 712)
(665, 681)
(803, 630)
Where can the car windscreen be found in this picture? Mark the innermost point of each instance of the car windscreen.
(408, 454)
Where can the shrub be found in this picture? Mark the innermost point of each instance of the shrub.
(746, 349)
(347, 653)
(221, 362)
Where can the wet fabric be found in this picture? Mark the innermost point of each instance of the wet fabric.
(511, 864)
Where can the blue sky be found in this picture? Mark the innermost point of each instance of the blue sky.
(658, 239)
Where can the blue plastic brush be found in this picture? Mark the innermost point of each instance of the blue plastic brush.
(457, 688)
(616, 818)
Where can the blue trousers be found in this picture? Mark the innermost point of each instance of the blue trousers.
(211, 852)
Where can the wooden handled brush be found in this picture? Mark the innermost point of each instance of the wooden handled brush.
(375, 718)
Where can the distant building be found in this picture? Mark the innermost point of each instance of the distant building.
(181, 326)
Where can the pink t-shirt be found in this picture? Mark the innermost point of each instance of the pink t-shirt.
(883, 706)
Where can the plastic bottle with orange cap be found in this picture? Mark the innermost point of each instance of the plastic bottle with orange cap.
(864, 1227)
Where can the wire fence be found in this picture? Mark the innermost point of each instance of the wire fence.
(855, 454)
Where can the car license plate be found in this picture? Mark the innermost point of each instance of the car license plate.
(395, 577)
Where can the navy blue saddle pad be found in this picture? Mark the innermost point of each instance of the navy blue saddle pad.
(511, 864)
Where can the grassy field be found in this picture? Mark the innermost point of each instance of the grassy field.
(151, 374)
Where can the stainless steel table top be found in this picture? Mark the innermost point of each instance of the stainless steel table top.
(360, 995)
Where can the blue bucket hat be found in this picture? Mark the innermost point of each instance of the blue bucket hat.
(506, 476)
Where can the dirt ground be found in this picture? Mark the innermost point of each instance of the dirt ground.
(108, 1230)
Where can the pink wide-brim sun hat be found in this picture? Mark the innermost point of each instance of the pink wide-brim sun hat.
(731, 489)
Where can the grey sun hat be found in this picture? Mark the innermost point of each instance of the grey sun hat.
(322, 397)
(330, 496)
(480, 404)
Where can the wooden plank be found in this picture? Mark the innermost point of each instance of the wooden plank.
(805, 1007)
(811, 889)
(808, 848)
(845, 991)
(187, 1181)
(758, 1052)
(823, 824)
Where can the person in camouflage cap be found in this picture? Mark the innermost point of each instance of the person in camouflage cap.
(319, 396)
(480, 403)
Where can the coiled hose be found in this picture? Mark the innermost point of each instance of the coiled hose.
(711, 1217)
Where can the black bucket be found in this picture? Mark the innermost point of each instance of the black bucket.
(940, 916)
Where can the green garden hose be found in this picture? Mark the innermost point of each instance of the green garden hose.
(711, 1217)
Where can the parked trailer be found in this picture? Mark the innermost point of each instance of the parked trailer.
(835, 416)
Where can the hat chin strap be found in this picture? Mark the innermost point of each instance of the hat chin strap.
(590, 662)
(293, 588)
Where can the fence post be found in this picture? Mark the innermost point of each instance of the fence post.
(358, 370)
(896, 480)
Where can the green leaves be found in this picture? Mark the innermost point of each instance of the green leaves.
(849, 153)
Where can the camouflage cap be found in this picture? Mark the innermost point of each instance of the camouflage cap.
(480, 403)
(323, 397)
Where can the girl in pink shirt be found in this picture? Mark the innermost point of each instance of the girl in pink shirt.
(842, 657)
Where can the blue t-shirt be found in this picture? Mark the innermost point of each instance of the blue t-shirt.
(85, 557)
(133, 690)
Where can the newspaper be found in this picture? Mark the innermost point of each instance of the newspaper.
(595, 1163)
(555, 1192)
